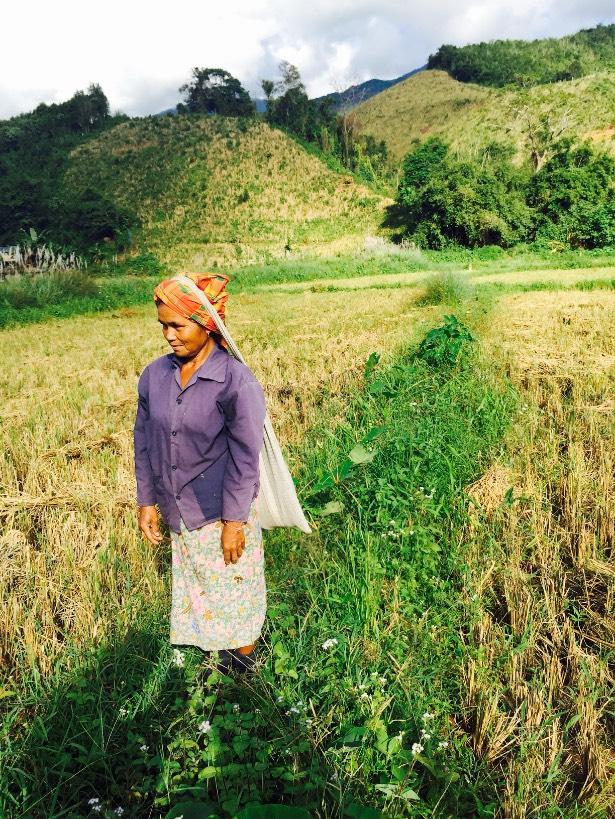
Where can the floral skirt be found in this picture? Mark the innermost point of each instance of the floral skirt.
(215, 606)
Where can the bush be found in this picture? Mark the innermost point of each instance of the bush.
(445, 288)
(443, 200)
(573, 196)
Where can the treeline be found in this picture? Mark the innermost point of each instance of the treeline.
(568, 201)
(35, 150)
(34, 153)
(504, 62)
(316, 122)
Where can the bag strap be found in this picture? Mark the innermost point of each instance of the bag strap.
(232, 346)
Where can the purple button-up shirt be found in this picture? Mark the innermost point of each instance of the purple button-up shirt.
(197, 447)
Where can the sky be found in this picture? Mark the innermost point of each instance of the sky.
(141, 52)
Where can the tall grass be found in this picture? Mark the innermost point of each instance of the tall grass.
(445, 288)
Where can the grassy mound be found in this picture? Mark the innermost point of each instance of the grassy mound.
(212, 190)
(470, 116)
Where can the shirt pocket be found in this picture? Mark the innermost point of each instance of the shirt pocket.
(207, 488)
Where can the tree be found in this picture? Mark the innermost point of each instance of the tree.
(444, 200)
(541, 129)
(288, 105)
(215, 91)
(573, 196)
(268, 87)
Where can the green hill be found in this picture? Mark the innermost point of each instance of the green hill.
(469, 116)
(502, 62)
(212, 190)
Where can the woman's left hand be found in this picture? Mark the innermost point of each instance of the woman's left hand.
(233, 540)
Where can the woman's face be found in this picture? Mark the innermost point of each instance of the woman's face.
(185, 336)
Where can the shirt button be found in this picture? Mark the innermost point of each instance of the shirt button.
(174, 466)
(174, 432)
(177, 497)
(179, 400)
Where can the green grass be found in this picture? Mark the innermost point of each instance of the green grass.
(131, 281)
(445, 288)
(108, 294)
(326, 728)
(221, 191)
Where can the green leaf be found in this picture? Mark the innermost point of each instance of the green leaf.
(353, 736)
(371, 364)
(193, 810)
(360, 455)
(273, 812)
(410, 795)
(209, 772)
(331, 508)
(33, 234)
(357, 811)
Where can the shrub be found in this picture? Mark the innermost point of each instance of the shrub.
(445, 288)
(443, 200)
(574, 197)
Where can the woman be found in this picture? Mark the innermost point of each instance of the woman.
(197, 437)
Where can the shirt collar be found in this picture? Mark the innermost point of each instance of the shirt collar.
(214, 366)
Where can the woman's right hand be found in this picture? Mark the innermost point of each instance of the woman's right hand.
(148, 524)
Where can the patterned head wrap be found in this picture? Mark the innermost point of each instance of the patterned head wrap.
(177, 296)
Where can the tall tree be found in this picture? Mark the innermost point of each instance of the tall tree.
(215, 91)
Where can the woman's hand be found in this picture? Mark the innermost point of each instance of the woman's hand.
(148, 524)
(233, 540)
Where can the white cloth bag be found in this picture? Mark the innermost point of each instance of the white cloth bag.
(277, 503)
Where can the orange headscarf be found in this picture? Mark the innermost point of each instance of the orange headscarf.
(177, 296)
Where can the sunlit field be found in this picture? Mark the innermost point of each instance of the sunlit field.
(461, 578)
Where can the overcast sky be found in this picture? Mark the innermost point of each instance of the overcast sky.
(141, 52)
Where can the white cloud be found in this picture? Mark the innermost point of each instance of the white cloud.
(141, 52)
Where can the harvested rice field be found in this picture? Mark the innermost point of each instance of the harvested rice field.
(439, 646)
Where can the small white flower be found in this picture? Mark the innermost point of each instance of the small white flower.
(332, 641)
(411, 532)
(416, 748)
(382, 680)
(123, 712)
(294, 710)
(280, 698)
(178, 658)
(427, 716)
(205, 727)
(400, 736)
(362, 687)
(308, 721)
(364, 696)
(257, 710)
(119, 811)
(442, 744)
(236, 707)
(93, 801)
(425, 735)
(144, 748)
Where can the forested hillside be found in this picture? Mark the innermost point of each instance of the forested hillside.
(34, 154)
(529, 62)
